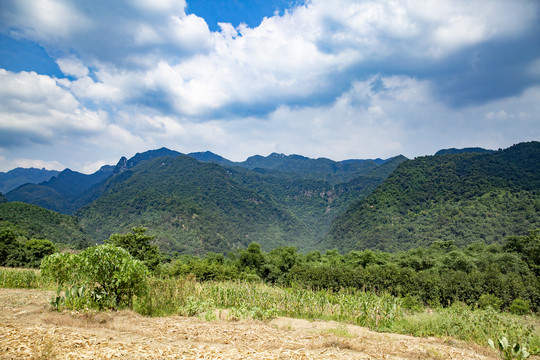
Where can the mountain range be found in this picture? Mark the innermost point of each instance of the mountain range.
(202, 202)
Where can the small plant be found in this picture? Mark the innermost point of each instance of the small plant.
(509, 352)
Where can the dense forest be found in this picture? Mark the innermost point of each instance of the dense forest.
(441, 274)
(466, 198)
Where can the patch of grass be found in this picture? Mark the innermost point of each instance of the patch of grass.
(19, 278)
(261, 301)
(459, 321)
(340, 331)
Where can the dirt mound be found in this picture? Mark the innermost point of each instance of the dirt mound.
(29, 330)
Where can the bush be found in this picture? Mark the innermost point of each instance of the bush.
(520, 307)
(489, 300)
(109, 276)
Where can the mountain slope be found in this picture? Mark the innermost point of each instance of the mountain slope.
(20, 176)
(463, 197)
(315, 203)
(190, 206)
(42, 223)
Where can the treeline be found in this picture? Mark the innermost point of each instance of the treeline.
(17, 250)
(438, 275)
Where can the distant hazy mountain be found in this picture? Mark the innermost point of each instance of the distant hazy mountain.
(464, 197)
(61, 191)
(19, 176)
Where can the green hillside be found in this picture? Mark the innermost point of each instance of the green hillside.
(461, 197)
(41, 223)
(190, 207)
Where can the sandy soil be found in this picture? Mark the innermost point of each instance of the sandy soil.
(30, 330)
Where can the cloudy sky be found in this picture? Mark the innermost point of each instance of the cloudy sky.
(83, 83)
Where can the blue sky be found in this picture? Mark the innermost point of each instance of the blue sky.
(84, 83)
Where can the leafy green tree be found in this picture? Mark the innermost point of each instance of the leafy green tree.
(138, 244)
(252, 258)
(528, 247)
(37, 249)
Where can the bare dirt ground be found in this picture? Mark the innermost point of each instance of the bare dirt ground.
(30, 330)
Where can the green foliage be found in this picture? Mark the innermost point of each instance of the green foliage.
(520, 307)
(137, 243)
(109, 276)
(61, 267)
(459, 321)
(489, 300)
(261, 301)
(38, 222)
(509, 352)
(24, 279)
(528, 247)
(17, 251)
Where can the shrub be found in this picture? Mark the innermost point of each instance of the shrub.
(109, 276)
(489, 300)
(520, 307)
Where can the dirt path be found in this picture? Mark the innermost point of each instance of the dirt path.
(29, 330)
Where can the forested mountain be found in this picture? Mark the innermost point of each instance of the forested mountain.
(125, 164)
(208, 156)
(314, 202)
(462, 197)
(191, 207)
(203, 202)
(40, 223)
(20, 176)
(61, 192)
(473, 150)
(297, 166)
(316, 169)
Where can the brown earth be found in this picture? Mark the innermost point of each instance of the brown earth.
(30, 330)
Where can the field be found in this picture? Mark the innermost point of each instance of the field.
(30, 330)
